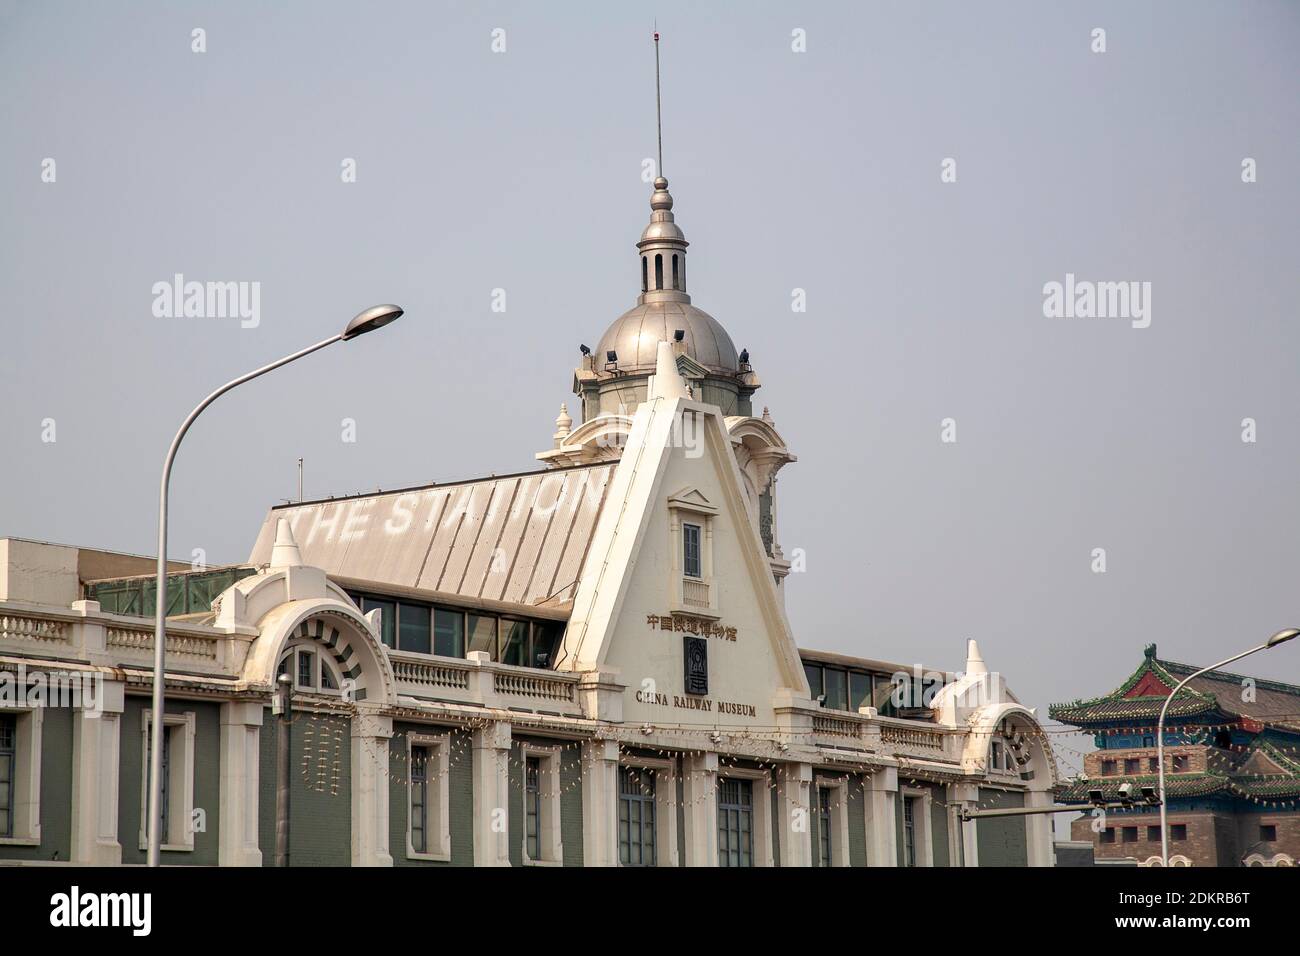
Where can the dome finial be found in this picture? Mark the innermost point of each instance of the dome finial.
(563, 425)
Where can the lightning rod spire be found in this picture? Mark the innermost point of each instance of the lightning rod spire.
(659, 116)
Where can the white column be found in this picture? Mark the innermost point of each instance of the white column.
(600, 803)
(96, 756)
(241, 729)
(879, 800)
(793, 804)
(370, 736)
(492, 795)
(1038, 830)
(700, 793)
(966, 796)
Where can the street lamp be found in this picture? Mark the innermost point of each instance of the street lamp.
(1281, 637)
(373, 318)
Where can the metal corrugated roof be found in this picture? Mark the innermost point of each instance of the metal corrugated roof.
(517, 539)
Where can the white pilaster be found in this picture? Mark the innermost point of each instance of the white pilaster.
(600, 803)
(96, 756)
(879, 801)
(794, 807)
(492, 795)
(700, 791)
(966, 796)
(370, 736)
(1038, 830)
(241, 728)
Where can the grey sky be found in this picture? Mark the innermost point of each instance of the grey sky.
(817, 170)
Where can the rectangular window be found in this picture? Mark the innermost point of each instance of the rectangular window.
(546, 643)
(1153, 834)
(1108, 835)
(824, 855)
(909, 831)
(428, 829)
(1148, 741)
(1131, 765)
(533, 808)
(859, 690)
(1130, 834)
(814, 674)
(306, 672)
(636, 817)
(482, 634)
(176, 803)
(165, 790)
(1178, 832)
(420, 799)
(691, 550)
(413, 628)
(1268, 832)
(735, 822)
(514, 642)
(448, 632)
(1108, 768)
(8, 772)
(1153, 765)
(882, 692)
(387, 618)
(837, 689)
(1179, 763)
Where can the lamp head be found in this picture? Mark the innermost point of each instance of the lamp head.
(375, 317)
(1281, 637)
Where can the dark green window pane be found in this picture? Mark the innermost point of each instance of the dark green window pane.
(387, 618)
(883, 695)
(836, 689)
(814, 674)
(546, 643)
(482, 634)
(413, 625)
(514, 642)
(448, 632)
(859, 690)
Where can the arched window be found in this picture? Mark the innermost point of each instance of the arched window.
(645, 278)
(659, 271)
(677, 282)
(311, 669)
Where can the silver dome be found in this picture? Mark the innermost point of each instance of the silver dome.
(636, 334)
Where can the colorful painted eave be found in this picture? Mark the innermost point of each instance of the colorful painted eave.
(1117, 706)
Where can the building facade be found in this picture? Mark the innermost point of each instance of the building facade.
(1232, 767)
(589, 664)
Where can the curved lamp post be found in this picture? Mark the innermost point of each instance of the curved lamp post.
(1280, 637)
(373, 318)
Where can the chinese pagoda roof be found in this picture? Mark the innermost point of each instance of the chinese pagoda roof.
(1216, 696)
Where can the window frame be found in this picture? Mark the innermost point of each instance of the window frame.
(645, 804)
(179, 836)
(25, 780)
(838, 824)
(549, 835)
(921, 818)
(690, 507)
(761, 825)
(665, 777)
(323, 662)
(437, 823)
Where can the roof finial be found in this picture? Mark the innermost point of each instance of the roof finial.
(659, 116)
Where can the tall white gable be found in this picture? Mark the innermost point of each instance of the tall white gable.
(635, 606)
